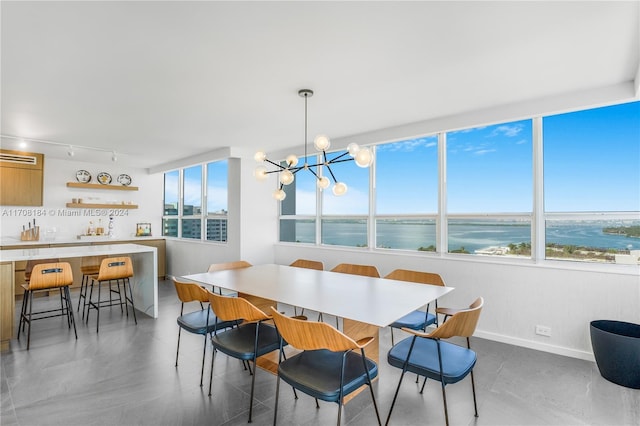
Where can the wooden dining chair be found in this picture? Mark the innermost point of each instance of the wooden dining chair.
(308, 264)
(330, 366)
(355, 269)
(224, 266)
(201, 321)
(416, 320)
(250, 340)
(238, 264)
(426, 354)
(47, 277)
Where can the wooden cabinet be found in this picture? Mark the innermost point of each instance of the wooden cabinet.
(21, 178)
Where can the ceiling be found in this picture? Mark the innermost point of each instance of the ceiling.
(159, 81)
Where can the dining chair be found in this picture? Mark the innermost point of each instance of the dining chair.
(308, 264)
(113, 270)
(201, 321)
(47, 277)
(250, 340)
(426, 354)
(355, 269)
(418, 319)
(330, 366)
(224, 266)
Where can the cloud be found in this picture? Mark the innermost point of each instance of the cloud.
(484, 151)
(409, 145)
(507, 130)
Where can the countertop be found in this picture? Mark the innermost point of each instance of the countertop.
(12, 241)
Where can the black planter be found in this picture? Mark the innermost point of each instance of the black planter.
(616, 347)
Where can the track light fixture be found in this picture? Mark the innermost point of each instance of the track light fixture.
(362, 156)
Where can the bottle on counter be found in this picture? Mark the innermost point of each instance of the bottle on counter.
(91, 230)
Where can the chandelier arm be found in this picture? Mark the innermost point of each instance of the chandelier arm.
(314, 173)
(332, 175)
(275, 164)
(335, 160)
(339, 156)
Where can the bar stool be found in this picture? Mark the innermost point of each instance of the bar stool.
(118, 270)
(90, 267)
(29, 268)
(46, 277)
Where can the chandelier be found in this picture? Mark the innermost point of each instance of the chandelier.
(286, 173)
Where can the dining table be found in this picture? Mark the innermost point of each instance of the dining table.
(365, 304)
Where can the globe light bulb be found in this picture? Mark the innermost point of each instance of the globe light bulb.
(339, 189)
(323, 182)
(292, 160)
(286, 177)
(364, 157)
(260, 173)
(353, 149)
(260, 156)
(321, 142)
(279, 194)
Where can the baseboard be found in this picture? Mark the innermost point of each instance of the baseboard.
(544, 347)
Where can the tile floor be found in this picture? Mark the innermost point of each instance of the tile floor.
(125, 375)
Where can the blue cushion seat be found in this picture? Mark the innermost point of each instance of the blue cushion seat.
(457, 361)
(239, 342)
(317, 373)
(416, 320)
(198, 323)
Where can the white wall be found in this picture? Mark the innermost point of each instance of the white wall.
(517, 296)
(54, 213)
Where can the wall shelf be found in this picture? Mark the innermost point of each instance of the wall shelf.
(101, 206)
(100, 186)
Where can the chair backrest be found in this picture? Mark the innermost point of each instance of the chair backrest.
(415, 277)
(190, 292)
(353, 269)
(114, 268)
(311, 335)
(463, 323)
(31, 263)
(228, 265)
(50, 275)
(229, 308)
(309, 264)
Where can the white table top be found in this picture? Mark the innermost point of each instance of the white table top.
(75, 251)
(376, 301)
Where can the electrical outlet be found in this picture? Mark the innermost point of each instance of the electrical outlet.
(543, 330)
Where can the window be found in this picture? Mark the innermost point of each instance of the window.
(490, 189)
(298, 209)
(185, 214)
(592, 184)
(171, 197)
(217, 186)
(482, 201)
(407, 194)
(345, 218)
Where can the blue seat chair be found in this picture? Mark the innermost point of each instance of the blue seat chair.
(250, 340)
(418, 319)
(330, 366)
(426, 354)
(201, 321)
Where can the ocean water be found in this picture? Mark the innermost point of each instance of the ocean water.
(470, 235)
